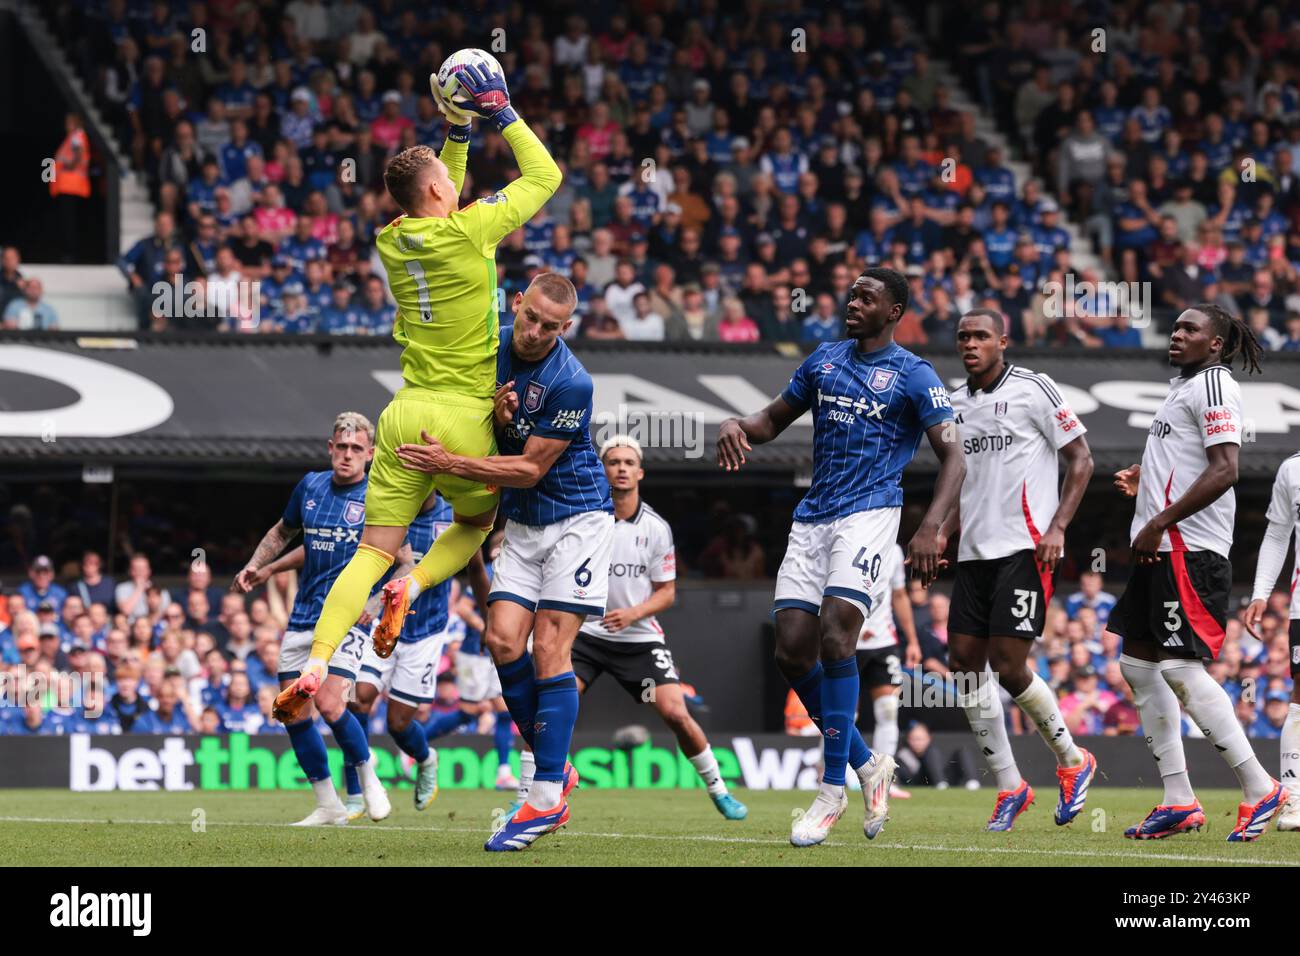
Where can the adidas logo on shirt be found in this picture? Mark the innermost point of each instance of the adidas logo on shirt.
(1026, 625)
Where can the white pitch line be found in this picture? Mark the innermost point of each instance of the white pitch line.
(701, 838)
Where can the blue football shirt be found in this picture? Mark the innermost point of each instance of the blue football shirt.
(331, 517)
(554, 402)
(869, 413)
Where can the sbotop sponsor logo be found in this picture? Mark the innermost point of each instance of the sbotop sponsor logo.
(653, 429)
(75, 909)
(1102, 300)
(83, 691)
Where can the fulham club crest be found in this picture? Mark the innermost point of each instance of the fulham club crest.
(354, 512)
(999, 409)
(881, 379)
(533, 397)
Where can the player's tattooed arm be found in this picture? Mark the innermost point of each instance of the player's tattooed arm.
(925, 550)
(1078, 472)
(1219, 475)
(738, 435)
(271, 545)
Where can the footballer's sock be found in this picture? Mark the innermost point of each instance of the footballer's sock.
(326, 795)
(983, 710)
(527, 768)
(557, 712)
(1291, 751)
(309, 747)
(352, 739)
(519, 688)
(503, 736)
(808, 689)
(839, 705)
(1208, 704)
(1162, 723)
(412, 740)
(450, 552)
(446, 723)
(1039, 703)
(347, 599)
(884, 739)
(706, 765)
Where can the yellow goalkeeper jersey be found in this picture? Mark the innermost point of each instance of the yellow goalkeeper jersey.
(443, 272)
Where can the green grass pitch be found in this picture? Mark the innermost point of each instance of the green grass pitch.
(608, 828)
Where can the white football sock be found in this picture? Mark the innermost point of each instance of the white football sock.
(1291, 751)
(1039, 704)
(413, 589)
(884, 739)
(706, 765)
(984, 711)
(527, 767)
(1162, 722)
(327, 798)
(1209, 705)
(366, 772)
(431, 760)
(545, 794)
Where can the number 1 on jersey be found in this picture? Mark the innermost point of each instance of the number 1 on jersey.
(415, 270)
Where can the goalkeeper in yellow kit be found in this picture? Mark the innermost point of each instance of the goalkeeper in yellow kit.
(441, 264)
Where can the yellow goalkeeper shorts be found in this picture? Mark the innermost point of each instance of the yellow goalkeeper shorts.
(464, 427)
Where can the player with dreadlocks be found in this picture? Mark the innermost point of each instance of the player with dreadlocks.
(1174, 609)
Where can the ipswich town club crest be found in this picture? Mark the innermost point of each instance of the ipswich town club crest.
(533, 396)
(881, 379)
(354, 512)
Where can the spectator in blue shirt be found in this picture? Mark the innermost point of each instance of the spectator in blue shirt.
(1090, 594)
(40, 587)
(1000, 239)
(165, 716)
(1269, 722)
(824, 324)
(240, 714)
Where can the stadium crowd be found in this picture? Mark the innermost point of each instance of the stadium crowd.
(202, 659)
(727, 174)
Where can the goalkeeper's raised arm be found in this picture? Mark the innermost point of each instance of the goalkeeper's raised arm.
(440, 259)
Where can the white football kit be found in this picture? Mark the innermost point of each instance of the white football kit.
(1010, 433)
(878, 630)
(1200, 411)
(1283, 526)
(643, 555)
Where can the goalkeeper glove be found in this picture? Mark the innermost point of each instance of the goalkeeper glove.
(488, 95)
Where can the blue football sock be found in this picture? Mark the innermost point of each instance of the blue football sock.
(350, 775)
(809, 690)
(519, 688)
(309, 747)
(557, 712)
(445, 723)
(503, 735)
(412, 741)
(839, 703)
(352, 739)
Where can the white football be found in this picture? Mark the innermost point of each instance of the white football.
(446, 85)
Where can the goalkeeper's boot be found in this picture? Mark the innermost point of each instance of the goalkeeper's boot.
(293, 700)
(396, 598)
(526, 826)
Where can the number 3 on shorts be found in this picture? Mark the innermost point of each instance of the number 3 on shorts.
(582, 576)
